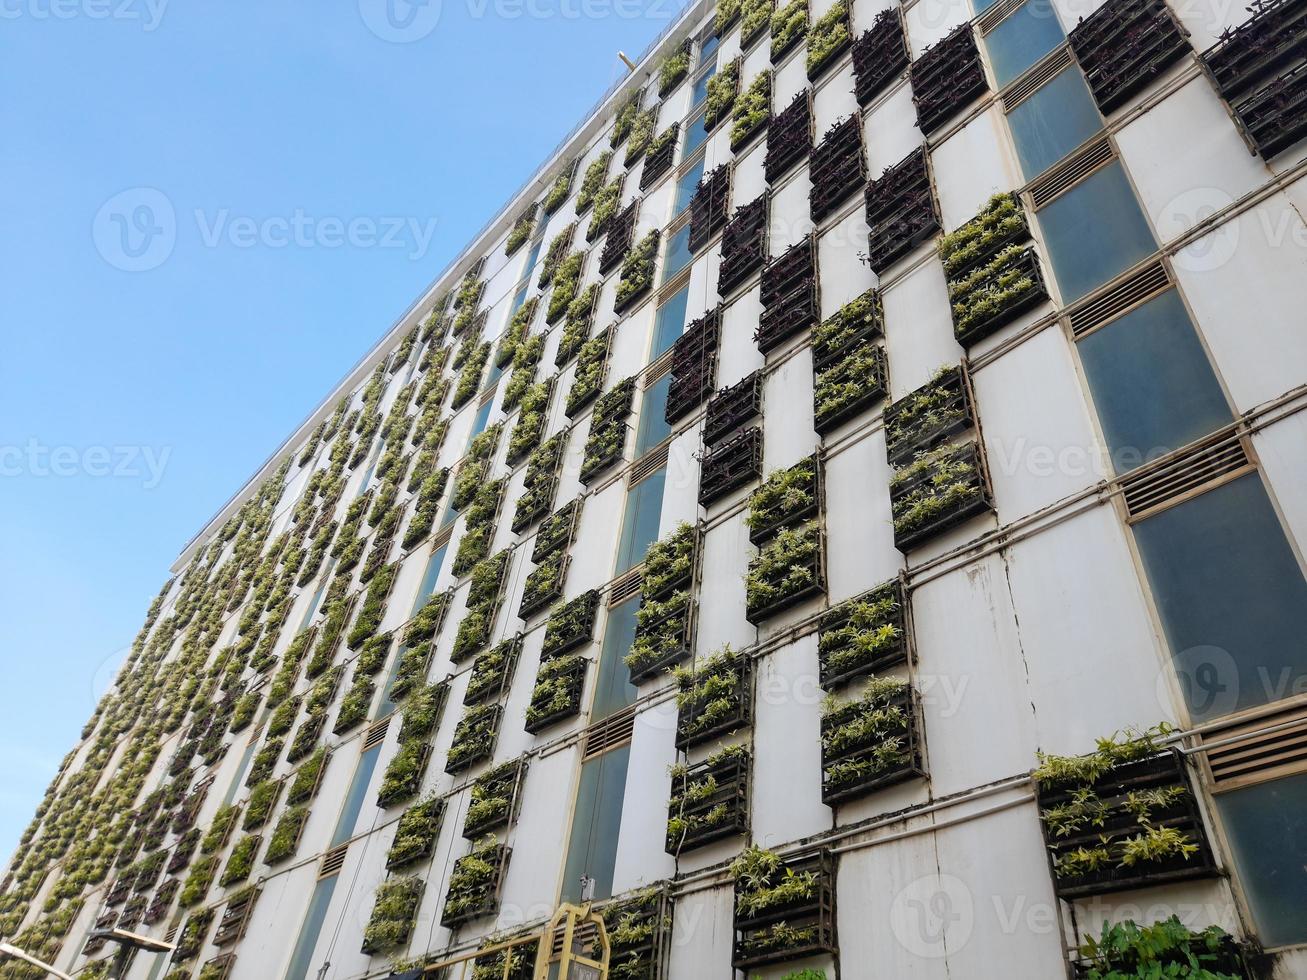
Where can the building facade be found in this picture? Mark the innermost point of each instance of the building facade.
(845, 514)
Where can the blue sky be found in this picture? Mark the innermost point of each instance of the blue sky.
(134, 403)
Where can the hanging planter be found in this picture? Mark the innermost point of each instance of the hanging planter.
(637, 272)
(828, 38)
(560, 189)
(901, 211)
(308, 778)
(1122, 817)
(621, 232)
(473, 891)
(605, 207)
(591, 370)
(664, 631)
(751, 111)
(789, 25)
(525, 361)
(606, 443)
(530, 421)
(869, 743)
(516, 962)
(708, 207)
(540, 484)
(483, 600)
(544, 586)
(732, 408)
(731, 465)
(849, 387)
(789, 295)
(1123, 46)
(1128, 950)
(571, 626)
(789, 570)
(285, 839)
(669, 564)
(728, 12)
(660, 156)
(469, 378)
(946, 79)
(416, 836)
(521, 231)
(714, 699)
(788, 498)
(554, 255)
(722, 89)
(555, 534)
(594, 178)
(190, 940)
(404, 773)
(478, 528)
(411, 670)
(694, 366)
(495, 798)
(567, 281)
(863, 636)
(938, 410)
(674, 69)
(394, 913)
(576, 329)
(838, 168)
(423, 711)
(639, 933)
(784, 909)
(641, 135)
(474, 738)
(263, 800)
(789, 138)
(744, 245)
(755, 16)
(937, 492)
(426, 624)
(709, 801)
(492, 672)
(556, 697)
(241, 861)
(624, 122)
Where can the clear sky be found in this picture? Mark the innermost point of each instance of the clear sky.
(148, 367)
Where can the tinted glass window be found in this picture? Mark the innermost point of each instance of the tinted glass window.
(1053, 122)
(644, 505)
(613, 688)
(669, 323)
(596, 821)
(1026, 35)
(653, 416)
(686, 185)
(678, 252)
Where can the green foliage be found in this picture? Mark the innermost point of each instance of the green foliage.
(605, 206)
(786, 566)
(241, 862)
(1161, 951)
(670, 560)
(393, 913)
(567, 281)
(522, 229)
(594, 178)
(286, 836)
(755, 18)
(642, 134)
(1001, 219)
(860, 372)
(417, 832)
(558, 191)
(829, 34)
(947, 482)
(403, 776)
(722, 89)
(861, 631)
(674, 68)
(752, 109)
(637, 269)
(785, 493)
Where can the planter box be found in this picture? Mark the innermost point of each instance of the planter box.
(677, 625)
(838, 168)
(536, 597)
(1167, 769)
(572, 675)
(477, 725)
(555, 534)
(652, 910)
(744, 245)
(658, 160)
(816, 913)
(490, 679)
(637, 265)
(688, 730)
(425, 819)
(621, 233)
(489, 898)
(946, 79)
(593, 467)
(562, 636)
(798, 516)
(761, 613)
(161, 904)
(977, 503)
(501, 782)
(953, 401)
(1275, 118)
(731, 408)
(831, 644)
(832, 55)
(235, 917)
(732, 776)
(578, 399)
(901, 211)
(789, 296)
(1025, 264)
(789, 138)
(731, 465)
(1124, 45)
(1259, 49)
(409, 788)
(833, 793)
(872, 386)
(674, 583)
(708, 207)
(694, 365)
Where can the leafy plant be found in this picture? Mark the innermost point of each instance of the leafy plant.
(941, 482)
(786, 492)
(1164, 949)
(637, 270)
(752, 109)
(286, 836)
(670, 561)
(674, 68)
(605, 206)
(404, 772)
(722, 89)
(567, 281)
(393, 913)
(595, 174)
(787, 566)
(416, 834)
(755, 18)
(558, 191)
(857, 377)
(861, 632)
(828, 35)
(474, 737)
(241, 862)
(788, 24)
(522, 229)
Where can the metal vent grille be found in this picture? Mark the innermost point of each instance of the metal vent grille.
(655, 371)
(1212, 461)
(625, 587)
(171, 935)
(651, 463)
(996, 14)
(1119, 299)
(332, 862)
(1097, 154)
(1258, 751)
(486, 398)
(609, 734)
(442, 538)
(1035, 78)
(376, 734)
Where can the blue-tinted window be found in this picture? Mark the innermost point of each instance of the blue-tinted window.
(644, 506)
(1231, 597)
(613, 688)
(669, 322)
(429, 578)
(686, 185)
(534, 255)
(1053, 122)
(701, 86)
(301, 961)
(695, 134)
(358, 789)
(317, 596)
(1267, 828)
(1094, 232)
(678, 252)
(596, 822)
(482, 417)
(1026, 35)
(519, 299)
(708, 47)
(653, 427)
(1153, 385)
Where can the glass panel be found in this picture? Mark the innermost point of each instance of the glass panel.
(518, 299)
(701, 86)
(708, 47)
(644, 505)
(532, 257)
(482, 417)
(317, 596)
(592, 851)
(1095, 232)
(1026, 35)
(358, 789)
(1267, 827)
(695, 134)
(1153, 386)
(678, 252)
(686, 184)
(1231, 597)
(613, 688)
(669, 322)
(301, 960)
(429, 577)
(653, 416)
(1053, 122)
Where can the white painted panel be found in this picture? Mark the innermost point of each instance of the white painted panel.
(703, 930)
(535, 872)
(972, 678)
(930, 21)
(835, 100)
(681, 486)
(1284, 467)
(787, 403)
(786, 789)
(595, 542)
(702, 296)
(789, 220)
(630, 346)
(789, 80)
(860, 554)
(758, 59)
(864, 13)
(641, 857)
(273, 926)
(890, 132)
(972, 166)
(1198, 903)
(721, 606)
(738, 356)
(748, 181)
(841, 270)
(918, 328)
